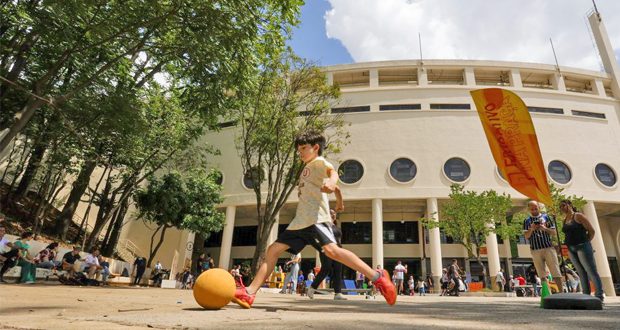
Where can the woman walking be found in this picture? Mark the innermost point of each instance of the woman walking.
(579, 232)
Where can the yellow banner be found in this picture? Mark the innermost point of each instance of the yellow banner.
(512, 139)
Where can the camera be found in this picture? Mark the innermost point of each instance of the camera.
(537, 221)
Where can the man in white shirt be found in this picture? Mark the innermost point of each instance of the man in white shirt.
(91, 264)
(5, 245)
(500, 280)
(399, 272)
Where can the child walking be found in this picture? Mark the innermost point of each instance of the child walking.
(311, 224)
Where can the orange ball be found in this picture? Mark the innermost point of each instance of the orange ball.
(214, 288)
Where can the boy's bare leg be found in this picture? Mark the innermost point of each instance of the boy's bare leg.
(349, 259)
(271, 257)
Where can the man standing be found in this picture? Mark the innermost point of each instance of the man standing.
(538, 230)
(500, 280)
(454, 275)
(399, 273)
(359, 280)
(139, 267)
(292, 269)
(531, 277)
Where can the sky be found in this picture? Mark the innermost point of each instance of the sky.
(349, 31)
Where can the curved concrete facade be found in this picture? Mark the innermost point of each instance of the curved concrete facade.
(582, 129)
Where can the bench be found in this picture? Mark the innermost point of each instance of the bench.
(42, 274)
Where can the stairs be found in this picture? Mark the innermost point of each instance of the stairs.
(127, 250)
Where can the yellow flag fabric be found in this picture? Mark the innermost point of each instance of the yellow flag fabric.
(512, 139)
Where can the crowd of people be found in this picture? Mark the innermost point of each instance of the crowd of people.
(71, 267)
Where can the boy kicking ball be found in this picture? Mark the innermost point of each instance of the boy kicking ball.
(311, 224)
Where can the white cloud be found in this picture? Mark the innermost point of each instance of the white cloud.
(511, 30)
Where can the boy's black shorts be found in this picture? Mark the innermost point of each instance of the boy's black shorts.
(317, 235)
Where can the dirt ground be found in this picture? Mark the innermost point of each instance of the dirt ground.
(42, 306)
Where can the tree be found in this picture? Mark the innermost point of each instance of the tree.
(186, 203)
(289, 95)
(52, 51)
(469, 217)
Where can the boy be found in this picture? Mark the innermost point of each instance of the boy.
(311, 224)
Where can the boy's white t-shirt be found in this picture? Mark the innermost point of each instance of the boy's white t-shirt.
(313, 206)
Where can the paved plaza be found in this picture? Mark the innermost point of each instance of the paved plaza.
(62, 307)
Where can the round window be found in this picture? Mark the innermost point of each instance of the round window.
(559, 172)
(219, 177)
(605, 175)
(252, 176)
(456, 169)
(350, 171)
(403, 170)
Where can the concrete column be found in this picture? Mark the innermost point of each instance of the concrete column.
(377, 233)
(422, 247)
(598, 88)
(557, 80)
(515, 78)
(374, 78)
(469, 77)
(492, 256)
(227, 236)
(330, 78)
(600, 255)
(435, 242)
(422, 77)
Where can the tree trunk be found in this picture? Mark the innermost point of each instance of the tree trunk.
(82, 230)
(18, 169)
(153, 252)
(110, 245)
(65, 217)
(105, 207)
(9, 161)
(21, 119)
(108, 231)
(31, 169)
(487, 281)
(262, 238)
(42, 200)
(52, 195)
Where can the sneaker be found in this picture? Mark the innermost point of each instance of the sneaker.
(386, 287)
(243, 298)
(310, 292)
(339, 296)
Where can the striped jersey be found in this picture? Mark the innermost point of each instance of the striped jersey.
(539, 239)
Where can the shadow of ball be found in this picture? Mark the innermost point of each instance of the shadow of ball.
(214, 288)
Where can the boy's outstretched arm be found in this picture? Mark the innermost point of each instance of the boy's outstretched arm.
(339, 200)
(330, 185)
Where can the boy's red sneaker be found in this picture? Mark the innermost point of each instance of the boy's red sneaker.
(386, 287)
(243, 298)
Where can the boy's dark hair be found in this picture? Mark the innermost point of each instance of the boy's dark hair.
(311, 137)
(27, 234)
